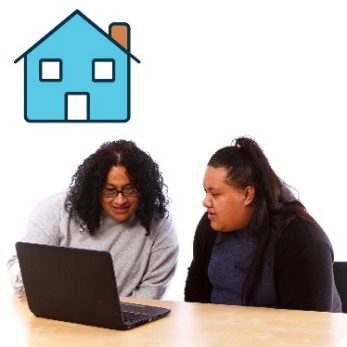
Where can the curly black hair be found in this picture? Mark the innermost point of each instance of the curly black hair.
(83, 198)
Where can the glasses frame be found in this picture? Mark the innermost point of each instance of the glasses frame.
(117, 191)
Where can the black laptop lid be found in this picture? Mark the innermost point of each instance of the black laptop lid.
(70, 284)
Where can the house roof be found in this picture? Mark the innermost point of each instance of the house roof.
(73, 14)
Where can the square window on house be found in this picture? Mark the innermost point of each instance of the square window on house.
(51, 70)
(103, 70)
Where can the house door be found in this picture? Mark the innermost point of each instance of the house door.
(76, 106)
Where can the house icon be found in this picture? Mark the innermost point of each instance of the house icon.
(79, 73)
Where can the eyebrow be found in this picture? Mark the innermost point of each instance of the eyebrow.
(114, 186)
(212, 188)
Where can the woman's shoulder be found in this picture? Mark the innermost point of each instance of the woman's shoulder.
(161, 224)
(52, 202)
(299, 230)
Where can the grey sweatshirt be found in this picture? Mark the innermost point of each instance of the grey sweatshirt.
(144, 265)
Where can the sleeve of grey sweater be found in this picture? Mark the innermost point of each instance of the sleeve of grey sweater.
(39, 230)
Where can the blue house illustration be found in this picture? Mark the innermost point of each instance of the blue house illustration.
(79, 73)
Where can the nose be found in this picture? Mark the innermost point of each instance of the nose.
(206, 202)
(120, 199)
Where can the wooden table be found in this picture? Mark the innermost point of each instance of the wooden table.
(188, 324)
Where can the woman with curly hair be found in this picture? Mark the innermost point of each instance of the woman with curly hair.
(256, 244)
(117, 202)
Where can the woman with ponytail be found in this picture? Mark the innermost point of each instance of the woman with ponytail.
(256, 244)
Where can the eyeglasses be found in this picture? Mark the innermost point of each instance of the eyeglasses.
(112, 192)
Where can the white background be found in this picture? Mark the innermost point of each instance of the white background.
(210, 71)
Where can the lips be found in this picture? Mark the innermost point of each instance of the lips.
(211, 215)
(120, 209)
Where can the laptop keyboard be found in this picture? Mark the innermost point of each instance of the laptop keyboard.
(130, 317)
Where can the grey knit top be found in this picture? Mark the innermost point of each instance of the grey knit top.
(144, 265)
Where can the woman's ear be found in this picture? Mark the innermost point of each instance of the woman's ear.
(249, 192)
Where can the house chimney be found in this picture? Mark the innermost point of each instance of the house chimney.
(120, 32)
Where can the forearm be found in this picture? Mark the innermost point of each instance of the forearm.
(14, 274)
(41, 228)
(159, 274)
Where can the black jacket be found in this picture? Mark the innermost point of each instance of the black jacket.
(303, 267)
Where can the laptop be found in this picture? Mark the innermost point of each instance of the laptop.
(78, 286)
